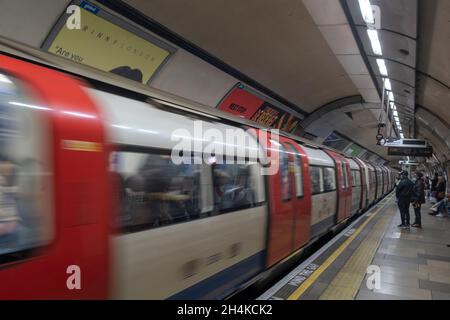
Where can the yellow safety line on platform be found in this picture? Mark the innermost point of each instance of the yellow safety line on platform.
(309, 281)
(346, 284)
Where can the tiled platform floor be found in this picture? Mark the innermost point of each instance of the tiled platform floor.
(414, 264)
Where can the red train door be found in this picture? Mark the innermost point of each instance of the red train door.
(348, 192)
(343, 182)
(301, 193)
(282, 206)
(363, 203)
(289, 201)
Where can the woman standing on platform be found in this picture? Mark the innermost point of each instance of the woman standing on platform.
(418, 199)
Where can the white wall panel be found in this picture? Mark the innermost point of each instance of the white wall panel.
(193, 78)
(29, 21)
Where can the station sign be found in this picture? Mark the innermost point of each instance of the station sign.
(411, 152)
(108, 43)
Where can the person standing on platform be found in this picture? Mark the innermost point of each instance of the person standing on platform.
(418, 198)
(434, 183)
(403, 192)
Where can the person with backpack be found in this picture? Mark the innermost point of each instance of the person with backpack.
(403, 192)
(417, 199)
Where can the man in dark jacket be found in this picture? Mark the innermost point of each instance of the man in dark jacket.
(404, 191)
(418, 198)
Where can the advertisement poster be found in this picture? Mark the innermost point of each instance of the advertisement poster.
(244, 104)
(353, 150)
(267, 115)
(104, 42)
(241, 103)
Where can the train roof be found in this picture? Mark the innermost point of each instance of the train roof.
(318, 157)
(135, 123)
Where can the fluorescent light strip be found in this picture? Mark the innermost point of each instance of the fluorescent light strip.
(375, 42)
(387, 84)
(79, 114)
(391, 96)
(382, 66)
(30, 106)
(366, 11)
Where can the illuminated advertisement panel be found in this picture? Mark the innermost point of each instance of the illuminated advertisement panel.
(243, 103)
(353, 150)
(105, 42)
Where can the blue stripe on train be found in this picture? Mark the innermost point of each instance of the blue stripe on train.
(226, 281)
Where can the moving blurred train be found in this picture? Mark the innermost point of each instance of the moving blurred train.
(86, 180)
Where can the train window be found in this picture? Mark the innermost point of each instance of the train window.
(25, 173)
(316, 179)
(284, 174)
(155, 192)
(298, 175)
(353, 174)
(297, 172)
(347, 178)
(356, 178)
(236, 186)
(373, 178)
(329, 179)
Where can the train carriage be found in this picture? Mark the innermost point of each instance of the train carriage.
(105, 195)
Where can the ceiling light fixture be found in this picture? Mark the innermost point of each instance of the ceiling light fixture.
(366, 11)
(391, 96)
(387, 84)
(375, 42)
(26, 105)
(382, 66)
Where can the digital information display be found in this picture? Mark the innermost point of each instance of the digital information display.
(411, 152)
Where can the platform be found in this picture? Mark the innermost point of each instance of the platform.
(413, 264)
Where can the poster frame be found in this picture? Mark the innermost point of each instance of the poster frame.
(120, 22)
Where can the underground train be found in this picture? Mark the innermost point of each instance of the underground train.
(94, 207)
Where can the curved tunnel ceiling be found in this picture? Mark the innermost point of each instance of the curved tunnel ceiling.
(276, 43)
(434, 57)
(433, 76)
